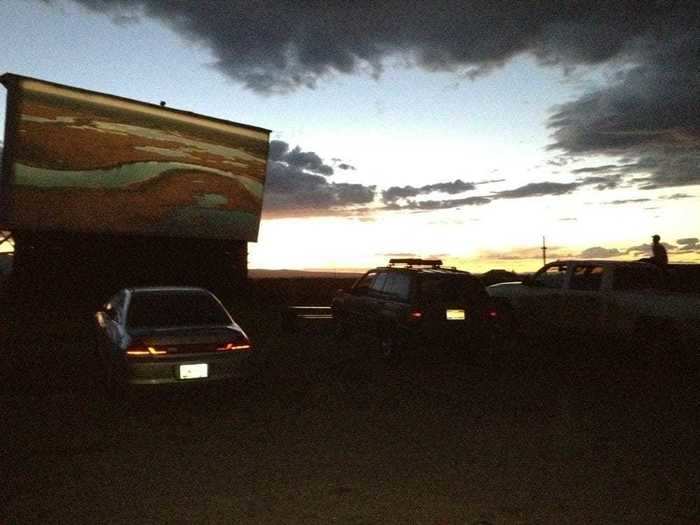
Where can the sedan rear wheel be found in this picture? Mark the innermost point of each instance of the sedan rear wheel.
(340, 329)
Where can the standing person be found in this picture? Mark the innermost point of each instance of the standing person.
(660, 256)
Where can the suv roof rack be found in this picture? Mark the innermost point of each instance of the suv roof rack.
(433, 263)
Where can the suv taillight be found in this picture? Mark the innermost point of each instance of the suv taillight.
(416, 314)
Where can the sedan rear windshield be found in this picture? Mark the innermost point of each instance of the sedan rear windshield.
(451, 288)
(161, 310)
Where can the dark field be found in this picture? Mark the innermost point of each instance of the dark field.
(540, 432)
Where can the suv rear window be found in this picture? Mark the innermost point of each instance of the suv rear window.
(168, 309)
(450, 288)
(398, 286)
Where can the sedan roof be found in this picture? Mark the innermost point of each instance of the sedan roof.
(160, 289)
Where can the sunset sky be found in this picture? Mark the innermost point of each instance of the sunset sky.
(465, 130)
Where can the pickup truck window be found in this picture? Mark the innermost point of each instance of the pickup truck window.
(398, 286)
(636, 278)
(587, 277)
(551, 276)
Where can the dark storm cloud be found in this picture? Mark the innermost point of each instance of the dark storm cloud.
(393, 194)
(645, 249)
(559, 162)
(627, 201)
(345, 166)
(604, 182)
(278, 46)
(402, 192)
(492, 181)
(647, 114)
(538, 189)
(607, 168)
(542, 189)
(677, 196)
(290, 190)
(278, 149)
(437, 204)
(689, 244)
(598, 252)
(296, 185)
(303, 160)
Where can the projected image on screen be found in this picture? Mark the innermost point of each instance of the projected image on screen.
(83, 161)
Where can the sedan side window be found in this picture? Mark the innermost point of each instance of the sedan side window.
(551, 276)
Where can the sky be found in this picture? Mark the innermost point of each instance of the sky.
(462, 130)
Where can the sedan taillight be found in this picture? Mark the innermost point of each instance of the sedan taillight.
(240, 344)
(143, 351)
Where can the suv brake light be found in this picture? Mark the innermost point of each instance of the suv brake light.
(415, 314)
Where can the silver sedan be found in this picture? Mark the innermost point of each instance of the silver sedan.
(155, 335)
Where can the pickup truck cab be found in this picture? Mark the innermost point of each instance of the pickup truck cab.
(602, 298)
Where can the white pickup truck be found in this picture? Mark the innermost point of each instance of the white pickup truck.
(632, 300)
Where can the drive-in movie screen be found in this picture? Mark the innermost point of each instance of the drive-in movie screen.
(81, 161)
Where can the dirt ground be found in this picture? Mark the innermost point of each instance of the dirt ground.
(326, 433)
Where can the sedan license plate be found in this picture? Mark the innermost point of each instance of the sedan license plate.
(194, 371)
(454, 315)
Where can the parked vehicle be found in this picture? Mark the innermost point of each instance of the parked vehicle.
(415, 303)
(161, 335)
(634, 300)
(683, 277)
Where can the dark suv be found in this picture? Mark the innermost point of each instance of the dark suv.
(416, 303)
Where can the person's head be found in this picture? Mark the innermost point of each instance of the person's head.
(656, 238)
